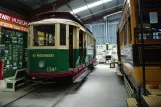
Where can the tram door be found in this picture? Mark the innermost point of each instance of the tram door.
(81, 44)
(70, 46)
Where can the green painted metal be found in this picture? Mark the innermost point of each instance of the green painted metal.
(76, 58)
(84, 55)
(9, 85)
(9, 73)
(55, 60)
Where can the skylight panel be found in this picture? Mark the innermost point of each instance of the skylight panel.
(106, 1)
(89, 6)
(80, 9)
(95, 4)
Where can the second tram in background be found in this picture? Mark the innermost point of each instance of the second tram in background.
(59, 47)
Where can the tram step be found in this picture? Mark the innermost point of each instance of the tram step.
(153, 101)
(81, 77)
(131, 102)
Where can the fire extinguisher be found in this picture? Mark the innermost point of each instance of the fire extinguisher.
(1, 69)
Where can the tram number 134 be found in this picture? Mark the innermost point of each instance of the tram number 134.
(51, 69)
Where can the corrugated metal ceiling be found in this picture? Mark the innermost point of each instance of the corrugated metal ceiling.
(31, 7)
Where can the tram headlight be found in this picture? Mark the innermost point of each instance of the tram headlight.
(41, 64)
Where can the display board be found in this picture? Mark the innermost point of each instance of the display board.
(14, 52)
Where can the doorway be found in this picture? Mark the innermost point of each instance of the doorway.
(70, 46)
(81, 45)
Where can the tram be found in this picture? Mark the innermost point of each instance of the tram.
(59, 46)
(139, 42)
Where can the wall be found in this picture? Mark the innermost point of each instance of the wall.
(11, 12)
(105, 30)
(13, 35)
(98, 30)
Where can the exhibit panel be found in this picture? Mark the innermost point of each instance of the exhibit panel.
(13, 41)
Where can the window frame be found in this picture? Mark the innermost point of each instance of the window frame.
(45, 33)
(31, 38)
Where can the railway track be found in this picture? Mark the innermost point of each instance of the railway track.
(60, 91)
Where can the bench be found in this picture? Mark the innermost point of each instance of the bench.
(12, 82)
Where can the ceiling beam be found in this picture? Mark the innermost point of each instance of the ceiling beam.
(101, 16)
(72, 10)
(47, 7)
(106, 10)
(14, 6)
(88, 7)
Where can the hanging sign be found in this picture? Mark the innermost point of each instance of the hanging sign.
(12, 26)
(7, 18)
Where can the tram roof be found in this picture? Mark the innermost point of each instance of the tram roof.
(59, 16)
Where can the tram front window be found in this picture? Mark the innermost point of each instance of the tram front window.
(44, 35)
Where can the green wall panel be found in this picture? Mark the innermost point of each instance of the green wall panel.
(15, 43)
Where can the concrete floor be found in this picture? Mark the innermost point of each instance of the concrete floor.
(101, 88)
(7, 97)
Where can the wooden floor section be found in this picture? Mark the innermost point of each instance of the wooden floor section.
(154, 91)
(131, 102)
(153, 101)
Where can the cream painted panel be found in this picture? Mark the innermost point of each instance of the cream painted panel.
(67, 36)
(76, 38)
(57, 36)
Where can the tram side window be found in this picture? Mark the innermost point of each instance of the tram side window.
(62, 34)
(44, 35)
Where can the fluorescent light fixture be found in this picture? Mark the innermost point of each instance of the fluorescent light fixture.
(89, 6)
(95, 4)
(80, 9)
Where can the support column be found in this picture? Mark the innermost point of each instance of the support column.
(108, 33)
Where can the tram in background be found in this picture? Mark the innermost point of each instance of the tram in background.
(137, 51)
(59, 47)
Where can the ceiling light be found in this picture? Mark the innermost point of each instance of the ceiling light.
(89, 6)
(95, 4)
(80, 9)
(106, 1)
